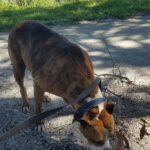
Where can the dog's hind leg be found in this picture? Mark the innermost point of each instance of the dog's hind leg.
(19, 72)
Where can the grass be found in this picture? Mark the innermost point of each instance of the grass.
(69, 11)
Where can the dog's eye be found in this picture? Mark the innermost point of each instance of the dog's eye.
(92, 115)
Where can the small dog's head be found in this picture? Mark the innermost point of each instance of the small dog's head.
(98, 125)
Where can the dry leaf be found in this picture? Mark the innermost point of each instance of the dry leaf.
(143, 131)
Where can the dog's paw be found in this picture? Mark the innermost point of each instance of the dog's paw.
(40, 127)
(25, 108)
(46, 97)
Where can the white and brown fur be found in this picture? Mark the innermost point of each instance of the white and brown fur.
(60, 67)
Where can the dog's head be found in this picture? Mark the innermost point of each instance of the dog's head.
(98, 125)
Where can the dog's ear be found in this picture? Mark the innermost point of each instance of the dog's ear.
(76, 118)
(110, 107)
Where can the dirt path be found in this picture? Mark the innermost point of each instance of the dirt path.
(129, 44)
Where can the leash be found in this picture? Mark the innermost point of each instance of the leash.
(29, 122)
(35, 119)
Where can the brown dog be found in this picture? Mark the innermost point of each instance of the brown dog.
(61, 68)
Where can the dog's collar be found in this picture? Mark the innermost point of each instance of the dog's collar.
(88, 104)
(86, 92)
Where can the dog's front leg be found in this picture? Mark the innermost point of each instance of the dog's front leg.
(38, 95)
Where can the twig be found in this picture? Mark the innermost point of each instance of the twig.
(115, 67)
(113, 93)
(145, 121)
(122, 78)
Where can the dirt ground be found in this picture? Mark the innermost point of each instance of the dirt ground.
(128, 42)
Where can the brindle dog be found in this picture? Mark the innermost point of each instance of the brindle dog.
(60, 67)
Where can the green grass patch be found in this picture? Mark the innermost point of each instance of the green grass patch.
(68, 11)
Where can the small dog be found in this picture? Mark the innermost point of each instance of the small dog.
(60, 67)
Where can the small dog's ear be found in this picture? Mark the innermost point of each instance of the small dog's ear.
(110, 107)
(77, 117)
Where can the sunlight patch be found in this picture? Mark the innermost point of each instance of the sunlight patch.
(127, 44)
(146, 41)
(96, 43)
